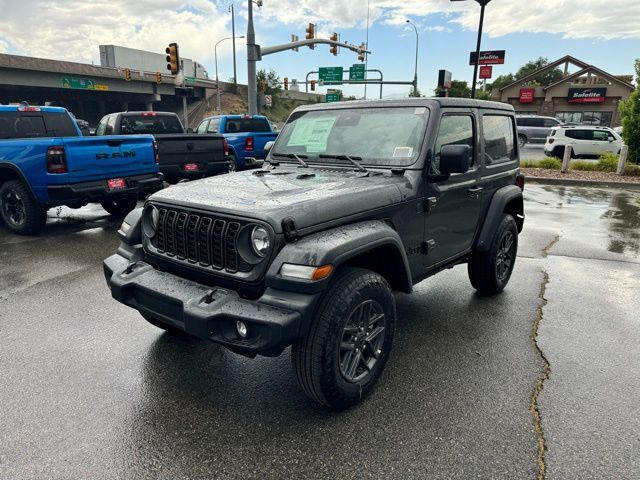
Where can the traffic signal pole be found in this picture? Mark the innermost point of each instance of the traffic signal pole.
(253, 55)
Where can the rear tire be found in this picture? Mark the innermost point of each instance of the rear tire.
(163, 326)
(522, 140)
(233, 164)
(119, 208)
(490, 271)
(20, 211)
(342, 356)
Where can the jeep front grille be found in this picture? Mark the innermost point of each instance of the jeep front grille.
(203, 240)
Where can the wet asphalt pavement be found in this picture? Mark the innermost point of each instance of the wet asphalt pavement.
(90, 390)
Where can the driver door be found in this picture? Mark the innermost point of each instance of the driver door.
(454, 205)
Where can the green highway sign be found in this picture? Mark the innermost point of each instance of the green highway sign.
(333, 95)
(330, 74)
(356, 72)
(79, 83)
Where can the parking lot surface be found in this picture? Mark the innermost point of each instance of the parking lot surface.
(542, 378)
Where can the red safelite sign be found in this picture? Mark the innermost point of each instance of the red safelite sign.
(486, 71)
(527, 95)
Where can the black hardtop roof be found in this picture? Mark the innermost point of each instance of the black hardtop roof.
(426, 102)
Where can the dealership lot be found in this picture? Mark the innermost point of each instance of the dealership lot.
(90, 390)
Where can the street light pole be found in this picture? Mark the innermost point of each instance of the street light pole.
(483, 3)
(233, 34)
(252, 58)
(215, 54)
(415, 75)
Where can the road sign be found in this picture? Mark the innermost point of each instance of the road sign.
(331, 74)
(78, 83)
(356, 72)
(444, 79)
(492, 57)
(268, 100)
(486, 71)
(333, 96)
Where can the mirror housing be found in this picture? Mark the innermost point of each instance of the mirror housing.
(268, 146)
(455, 159)
(190, 130)
(611, 138)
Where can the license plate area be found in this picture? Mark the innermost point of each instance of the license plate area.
(116, 183)
(191, 167)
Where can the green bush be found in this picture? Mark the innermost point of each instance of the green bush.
(584, 166)
(630, 111)
(551, 163)
(608, 162)
(529, 163)
(632, 170)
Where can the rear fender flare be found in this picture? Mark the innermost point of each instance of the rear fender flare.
(5, 167)
(507, 199)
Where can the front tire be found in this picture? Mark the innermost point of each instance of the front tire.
(490, 271)
(119, 208)
(19, 210)
(522, 141)
(341, 358)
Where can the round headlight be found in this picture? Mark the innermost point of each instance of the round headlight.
(260, 241)
(150, 219)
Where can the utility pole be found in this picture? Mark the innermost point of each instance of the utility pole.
(252, 58)
(233, 34)
(185, 116)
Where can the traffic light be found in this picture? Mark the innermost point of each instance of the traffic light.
(295, 38)
(158, 78)
(286, 83)
(127, 74)
(311, 34)
(313, 85)
(173, 58)
(334, 48)
(361, 52)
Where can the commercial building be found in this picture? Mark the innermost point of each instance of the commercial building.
(589, 96)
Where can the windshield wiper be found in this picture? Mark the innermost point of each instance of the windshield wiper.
(299, 158)
(353, 160)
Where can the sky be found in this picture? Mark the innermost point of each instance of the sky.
(604, 33)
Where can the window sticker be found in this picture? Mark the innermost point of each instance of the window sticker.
(312, 134)
(403, 152)
(420, 111)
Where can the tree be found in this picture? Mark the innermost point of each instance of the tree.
(459, 89)
(630, 111)
(502, 81)
(268, 82)
(415, 92)
(546, 79)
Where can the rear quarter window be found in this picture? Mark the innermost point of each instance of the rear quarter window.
(36, 125)
(498, 138)
(579, 134)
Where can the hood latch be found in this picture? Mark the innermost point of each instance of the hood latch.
(289, 229)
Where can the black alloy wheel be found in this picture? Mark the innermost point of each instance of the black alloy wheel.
(362, 340)
(505, 257)
(13, 208)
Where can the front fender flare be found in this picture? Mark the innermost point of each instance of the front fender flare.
(337, 246)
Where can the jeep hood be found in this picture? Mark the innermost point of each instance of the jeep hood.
(308, 195)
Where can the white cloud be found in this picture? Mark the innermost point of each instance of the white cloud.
(72, 30)
(571, 18)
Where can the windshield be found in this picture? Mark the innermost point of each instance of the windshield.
(374, 136)
(152, 124)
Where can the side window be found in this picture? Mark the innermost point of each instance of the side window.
(202, 128)
(102, 126)
(601, 136)
(537, 122)
(454, 130)
(214, 125)
(111, 124)
(523, 122)
(498, 138)
(579, 134)
(549, 123)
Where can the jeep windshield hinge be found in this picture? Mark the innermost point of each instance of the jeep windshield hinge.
(289, 229)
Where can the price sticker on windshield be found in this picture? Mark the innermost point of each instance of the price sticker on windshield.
(403, 152)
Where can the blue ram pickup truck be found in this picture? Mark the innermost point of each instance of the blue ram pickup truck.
(246, 137)
(46, 162)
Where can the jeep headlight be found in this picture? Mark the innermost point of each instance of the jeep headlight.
(150, 219)
(260, 241)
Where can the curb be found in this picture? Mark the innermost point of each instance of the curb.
(570, 182)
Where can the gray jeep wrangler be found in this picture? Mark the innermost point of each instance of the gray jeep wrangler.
(356, 201)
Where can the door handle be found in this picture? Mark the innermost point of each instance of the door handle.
(474, 192)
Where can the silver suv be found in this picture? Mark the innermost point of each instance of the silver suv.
(535, 129)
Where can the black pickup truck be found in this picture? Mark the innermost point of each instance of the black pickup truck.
(356, 201)
(181, 155)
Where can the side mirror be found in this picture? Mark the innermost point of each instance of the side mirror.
(611, 139)
(455, 159)
(268, 146)
(190, 130)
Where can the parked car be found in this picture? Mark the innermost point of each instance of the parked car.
(45, 162)
(360, 200)
(83, 125)
(181, 155)
(585, 141)
(534, 129)
(246, 136)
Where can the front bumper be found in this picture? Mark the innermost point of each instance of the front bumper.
(209, 313)
(97, 190)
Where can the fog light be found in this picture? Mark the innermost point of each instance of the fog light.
(242, 329)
